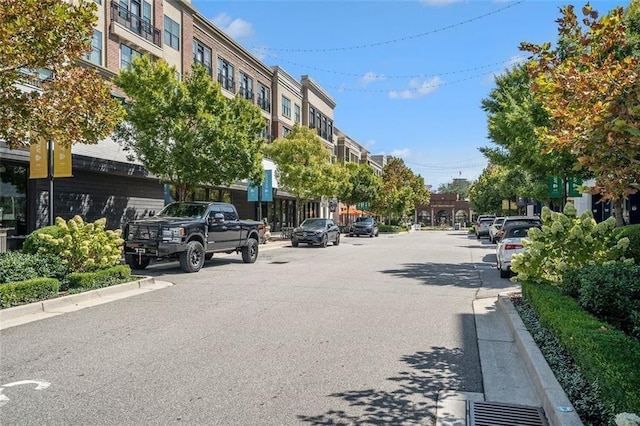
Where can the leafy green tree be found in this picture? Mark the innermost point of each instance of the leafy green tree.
(485, 193)
(303, 165)
(40, 43)
(187, 132)
(457, 186)
(360, 184)
(401, 190)
(513, 114)
(588, 84)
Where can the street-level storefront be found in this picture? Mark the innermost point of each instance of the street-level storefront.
(443, 210)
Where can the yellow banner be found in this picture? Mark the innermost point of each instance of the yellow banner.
(39, 161)
(62, 161)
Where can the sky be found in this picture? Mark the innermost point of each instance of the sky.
(408, 77)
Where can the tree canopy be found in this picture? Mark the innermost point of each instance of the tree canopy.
(360, 184)
(40, 43)
(588, 84)
(303, 165)
(457, 186)
(187, 132)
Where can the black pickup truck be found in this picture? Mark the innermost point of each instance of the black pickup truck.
(191, 232)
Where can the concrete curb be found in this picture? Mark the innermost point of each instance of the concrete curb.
(555, 402)
(65, 302)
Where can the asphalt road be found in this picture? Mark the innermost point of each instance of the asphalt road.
(367, 332)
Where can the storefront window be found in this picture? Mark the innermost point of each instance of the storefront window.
(13, 198)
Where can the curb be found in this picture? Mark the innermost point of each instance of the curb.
(556, 404)
(52, 305)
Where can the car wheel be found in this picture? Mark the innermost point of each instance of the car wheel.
(294, 243)
(208, 256)
(250, 251)
(325, 241)
(192, 259)
(478, 236)
(505, 274)
(337, 241)
(137, 262)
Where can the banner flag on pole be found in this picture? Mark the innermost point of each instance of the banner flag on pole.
(62, 161)
(39, 160)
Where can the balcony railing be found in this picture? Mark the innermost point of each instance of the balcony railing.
(135, 23)
(227, 82)
(264, 104)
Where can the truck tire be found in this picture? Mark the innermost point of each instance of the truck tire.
(250, 251)
(137, 262)
(192, 259)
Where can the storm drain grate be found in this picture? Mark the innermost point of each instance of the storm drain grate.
(498, 414)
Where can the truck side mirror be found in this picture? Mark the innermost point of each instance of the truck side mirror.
(218, 217)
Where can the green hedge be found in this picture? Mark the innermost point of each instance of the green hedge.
(16, 266)
(390, 228)
(28, 291)
(604, 355)
(98, 279)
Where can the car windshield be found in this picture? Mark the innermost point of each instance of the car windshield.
(313, 223)
(194, 211)
(367, 220)
(518, 231)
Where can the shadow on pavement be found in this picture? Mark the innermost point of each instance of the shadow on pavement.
(458, 275)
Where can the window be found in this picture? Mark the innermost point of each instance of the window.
(296, 113)
(126, 56)
(286, 106)
(95, 56)
(312, 118)
(226, 74)
(202, 55)
(263, 98)
(171, 33)
(246, 86)
(285, 131)
(13, 199)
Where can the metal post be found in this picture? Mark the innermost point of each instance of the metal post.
(260, 203)
(50, 177)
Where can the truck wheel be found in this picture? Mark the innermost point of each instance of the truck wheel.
(250, 251)
(192, 259)
(137, 262)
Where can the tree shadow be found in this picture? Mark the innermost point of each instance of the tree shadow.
(458, 275)
(414, 397)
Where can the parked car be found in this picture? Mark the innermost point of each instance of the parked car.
(495, 228)
(315, 230)
(510, 220)
(510, 244)
(364, 226)
(482, 227)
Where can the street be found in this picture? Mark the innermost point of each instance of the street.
(367, 332)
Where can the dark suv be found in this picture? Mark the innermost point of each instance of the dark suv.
(364, 226)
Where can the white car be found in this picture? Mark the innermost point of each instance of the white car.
(510, 244)
(495, 228)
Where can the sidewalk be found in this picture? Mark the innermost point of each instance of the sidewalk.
(517, 381)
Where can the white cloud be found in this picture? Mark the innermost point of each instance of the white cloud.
(371, 77)
(235, 28)
(401, 153)
(370, 143)
(417, 89)
(507, 66)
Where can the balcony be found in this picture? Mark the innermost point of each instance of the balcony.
(264, 104)
(227, 83)
(124, 24)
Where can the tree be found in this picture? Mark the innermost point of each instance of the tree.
(589, 85)
(457, 186)
(401, 190)
(360, 184)
(513, 115)
(485, 193)
(187, 132)
(40, 43)
(303, 163)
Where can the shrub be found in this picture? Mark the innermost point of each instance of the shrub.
(98, 279)
(17, 266)
(82, 246)
(389, 228)
(33, 242)
(632, 232)
(566, 242)
(605, 356)
(28, 291)
(611, 292)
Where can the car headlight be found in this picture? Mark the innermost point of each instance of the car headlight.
(172, 235)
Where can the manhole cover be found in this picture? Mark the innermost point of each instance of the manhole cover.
(499, 414)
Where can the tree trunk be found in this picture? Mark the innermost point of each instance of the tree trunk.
(181, 192)
(617, 212)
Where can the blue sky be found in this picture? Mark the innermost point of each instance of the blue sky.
(407, 76)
